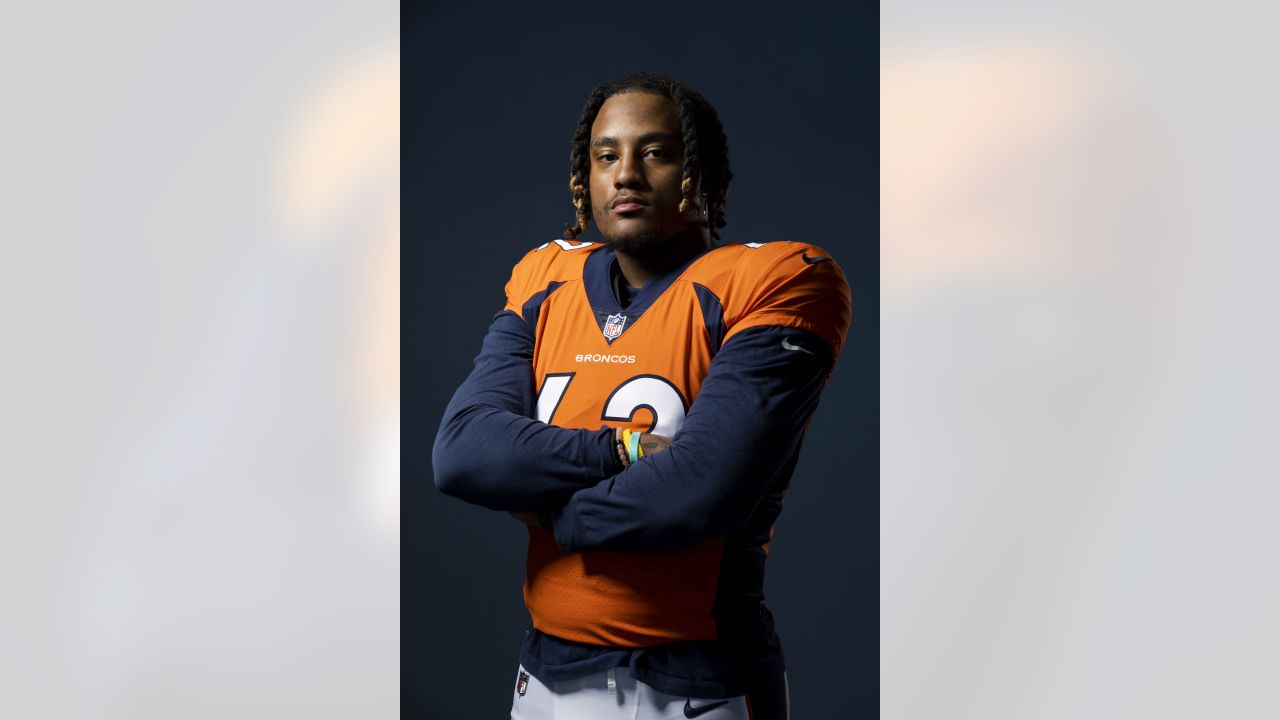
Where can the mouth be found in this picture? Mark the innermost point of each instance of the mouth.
(628, 204)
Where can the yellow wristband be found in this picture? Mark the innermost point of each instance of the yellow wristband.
(623, 438)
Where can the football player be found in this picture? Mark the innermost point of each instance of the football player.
(640, 404)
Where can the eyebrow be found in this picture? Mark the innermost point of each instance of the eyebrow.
(642, 140)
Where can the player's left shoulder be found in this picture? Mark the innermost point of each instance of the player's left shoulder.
(756, 263)
(782, 284)
(780, 252)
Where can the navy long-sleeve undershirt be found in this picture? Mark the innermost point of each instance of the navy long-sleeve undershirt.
(741, 434)
(490, 451)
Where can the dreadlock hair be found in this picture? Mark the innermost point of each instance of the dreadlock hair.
(706, 149)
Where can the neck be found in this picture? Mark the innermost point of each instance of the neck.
(639, 268)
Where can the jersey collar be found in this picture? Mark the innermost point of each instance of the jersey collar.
(598, 285)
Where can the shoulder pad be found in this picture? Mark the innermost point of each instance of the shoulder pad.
(556, 261)
(785, 284)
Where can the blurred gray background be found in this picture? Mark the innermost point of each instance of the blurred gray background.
(1077, 361)
(199, 508)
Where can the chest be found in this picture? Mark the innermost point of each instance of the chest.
(598, 366)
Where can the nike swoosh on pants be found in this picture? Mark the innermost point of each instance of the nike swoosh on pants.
(691, 712)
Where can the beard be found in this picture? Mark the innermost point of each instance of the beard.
(650, 240)
(635, 244)
(637, 240)
(664, 231)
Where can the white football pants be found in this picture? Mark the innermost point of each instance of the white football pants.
(614, 695)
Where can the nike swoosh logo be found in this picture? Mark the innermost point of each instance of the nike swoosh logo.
(693, 712)
(811, 260)
(788, 346)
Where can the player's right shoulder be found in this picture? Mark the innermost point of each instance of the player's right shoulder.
(555, 261)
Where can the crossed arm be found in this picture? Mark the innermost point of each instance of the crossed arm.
(650, 444)
(491, 452)
(739, 438)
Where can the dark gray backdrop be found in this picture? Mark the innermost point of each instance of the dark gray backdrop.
(491, 95)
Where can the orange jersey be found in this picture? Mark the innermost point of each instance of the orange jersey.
(596, 363)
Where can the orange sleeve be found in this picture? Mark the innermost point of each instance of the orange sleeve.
(517, 288)
(791, 285)
(555, 261)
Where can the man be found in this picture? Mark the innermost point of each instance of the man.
(640, 404)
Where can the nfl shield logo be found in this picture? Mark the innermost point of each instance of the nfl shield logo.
(613, 326)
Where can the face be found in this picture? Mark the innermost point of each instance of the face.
(636, 157)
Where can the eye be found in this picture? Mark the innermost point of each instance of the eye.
(606, 157)
(656, 152)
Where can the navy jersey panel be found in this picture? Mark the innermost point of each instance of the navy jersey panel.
(749, 657)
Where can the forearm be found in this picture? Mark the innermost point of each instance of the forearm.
(488, 450)
(738, 442)
(502, 461)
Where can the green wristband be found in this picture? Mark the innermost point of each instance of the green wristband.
(633, 447)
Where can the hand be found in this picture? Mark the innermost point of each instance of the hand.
(652, 444)
(649, 445)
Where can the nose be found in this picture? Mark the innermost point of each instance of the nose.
(630, 171)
